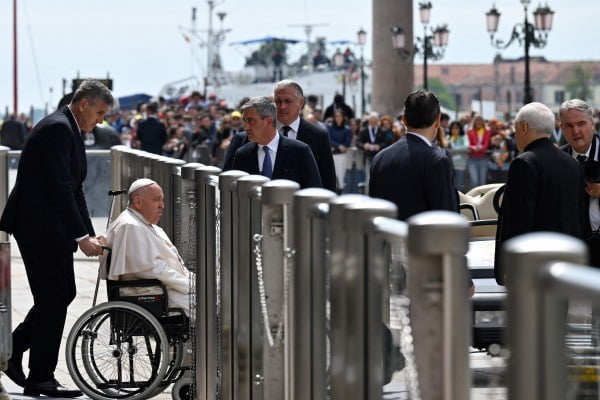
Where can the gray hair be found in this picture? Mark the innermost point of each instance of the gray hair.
(265, 107)
(288, 83)
(94, 91)
(576, 104)
(539, 118)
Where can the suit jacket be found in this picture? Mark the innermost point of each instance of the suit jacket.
(46, 209)
(380, 138)
(414, 176)
(152, 135)
(293, 161)
(593, 242)
(544, 192)
(316, 138)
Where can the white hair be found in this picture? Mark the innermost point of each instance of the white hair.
(539, 118)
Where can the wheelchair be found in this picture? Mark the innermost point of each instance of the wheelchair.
(132, 346)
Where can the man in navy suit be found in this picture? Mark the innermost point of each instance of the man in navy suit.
(412, 173)
(270, 154)
(289, 100)
(47, 214)
(151, 132)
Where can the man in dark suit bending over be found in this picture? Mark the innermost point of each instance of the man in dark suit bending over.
(270, 154)
(544, 189)
(411, 173)
(47, 214)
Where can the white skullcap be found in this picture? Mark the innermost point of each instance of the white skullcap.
(140, 183)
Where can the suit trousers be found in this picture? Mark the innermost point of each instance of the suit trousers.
(52, 283)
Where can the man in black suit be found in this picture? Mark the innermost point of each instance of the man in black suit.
(151, 132)
(47, 214)
(411, 173)
(544, 189)
(289, 99)
(577, 124)
(372, 139)
(270, 154)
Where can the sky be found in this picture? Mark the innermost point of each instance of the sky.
(141, 45)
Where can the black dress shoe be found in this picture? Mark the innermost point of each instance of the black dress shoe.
(49, 388)
(15, 372)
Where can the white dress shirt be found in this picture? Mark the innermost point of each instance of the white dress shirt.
(272, 145)
(292, 133)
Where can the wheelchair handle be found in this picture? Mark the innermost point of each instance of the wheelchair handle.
(116, 192)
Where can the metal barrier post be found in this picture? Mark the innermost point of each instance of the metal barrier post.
(273, 260)
(526, 262)
(338, 245)
(169, 173)
(186, 234)
(439, 303)
(5, 306)
(206, 309)
(4, 168)
(228, 249)
(306, 319)
(244, 310)
(361, 337)
(117, 154)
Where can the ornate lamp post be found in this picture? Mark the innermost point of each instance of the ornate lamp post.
(526, 33)
(362, 39)
(431, 46)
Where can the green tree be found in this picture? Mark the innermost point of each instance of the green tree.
(578, 83)
(267, 53)
(441, 91)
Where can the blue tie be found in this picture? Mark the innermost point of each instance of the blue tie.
(267, 169)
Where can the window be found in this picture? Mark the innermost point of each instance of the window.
(559, 96)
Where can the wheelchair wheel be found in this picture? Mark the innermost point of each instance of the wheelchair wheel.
(182, 389)
(117, 350)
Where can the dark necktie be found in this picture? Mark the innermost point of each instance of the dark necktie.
(285, 130)
(267, 167)
(582, 159)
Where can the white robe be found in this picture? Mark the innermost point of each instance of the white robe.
(141, 250)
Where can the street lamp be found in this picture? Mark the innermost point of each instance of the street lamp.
(339, 61)
(431, 46)
(526, 33)
(362, 39)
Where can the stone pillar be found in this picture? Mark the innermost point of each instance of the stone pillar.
(392, 78)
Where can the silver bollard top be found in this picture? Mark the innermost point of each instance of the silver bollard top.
(188, 170)
(354, 215)
(305, 199)
(438, 232)
(338, 203)
(246, 183)
(174, 161)
(201, 173)
(279, 191)
(228, 177)
(547, 245)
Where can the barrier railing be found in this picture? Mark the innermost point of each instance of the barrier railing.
(541, 277)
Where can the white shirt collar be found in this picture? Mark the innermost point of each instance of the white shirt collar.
(295, 125)
(272, 145)
(139, 216)
(77, 123)
(423, 138)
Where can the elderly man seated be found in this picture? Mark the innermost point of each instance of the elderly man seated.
(142, 250)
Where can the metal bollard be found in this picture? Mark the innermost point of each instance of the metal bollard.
(117, 154)
(338, 245)
(439, 303)
(532, 327)
(5, 306)
(270, 269)
(169, 173)
(226, 188)
(186, 235)
(358, 219)
(4, 169)
(206, 281)
(244, 309)
(306, 315)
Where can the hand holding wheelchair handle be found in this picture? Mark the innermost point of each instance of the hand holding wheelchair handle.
(90, 246)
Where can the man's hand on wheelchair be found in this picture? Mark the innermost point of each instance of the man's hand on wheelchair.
(91, 246)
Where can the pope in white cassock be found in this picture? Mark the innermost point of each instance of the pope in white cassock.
(142, 250)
